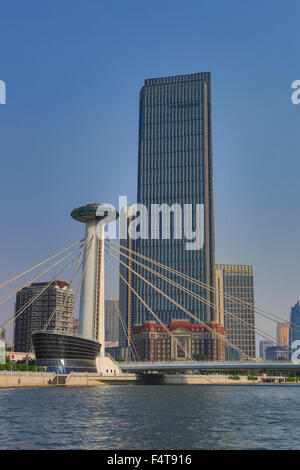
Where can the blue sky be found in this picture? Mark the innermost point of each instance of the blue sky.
(69, 130)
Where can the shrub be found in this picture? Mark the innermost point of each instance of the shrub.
(291, 379)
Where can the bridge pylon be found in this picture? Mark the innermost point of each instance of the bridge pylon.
(92, 300)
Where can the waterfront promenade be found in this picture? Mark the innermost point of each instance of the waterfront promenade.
(49, 379)
(10, 379)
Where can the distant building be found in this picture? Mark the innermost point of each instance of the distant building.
(36, 316)
(283, 332)
(239, 315)
(275, 353)
(111, 323)
(263, 345)
(75, 326)
(2, 352)
(2, 335)
(295, 324)
(153, 343)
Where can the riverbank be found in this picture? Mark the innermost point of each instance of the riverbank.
(43, 379)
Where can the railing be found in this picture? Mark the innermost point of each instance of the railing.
(214, 363)
(113, 359)
(25, 373)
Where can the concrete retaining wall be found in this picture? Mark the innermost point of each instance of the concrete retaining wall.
(21, 379)
(186, 379)
(25, 380)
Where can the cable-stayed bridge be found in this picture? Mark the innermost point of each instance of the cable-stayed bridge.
(90, 255)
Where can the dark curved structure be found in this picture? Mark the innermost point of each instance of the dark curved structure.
(65, 353)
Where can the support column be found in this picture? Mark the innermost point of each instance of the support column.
(100, 291)
(87, 295)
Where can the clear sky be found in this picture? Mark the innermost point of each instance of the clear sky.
(69, 130)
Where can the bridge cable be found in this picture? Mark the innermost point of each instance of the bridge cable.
(43, 262)
(258, 310)
(151, 311)
(12, 317)
(132, 346)
(66, 294)
(176, 341)
(8, 296)
(198, 297)
(24, 307)
(182, 308)
(84, 266)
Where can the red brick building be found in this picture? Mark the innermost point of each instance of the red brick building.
(153, 343)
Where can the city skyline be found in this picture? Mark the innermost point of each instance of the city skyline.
(149, 275)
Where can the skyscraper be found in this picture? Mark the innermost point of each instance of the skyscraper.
(49, 304)
(239, 317)
(295, 324)
(175, 167)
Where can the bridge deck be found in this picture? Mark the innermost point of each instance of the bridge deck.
(207, 365)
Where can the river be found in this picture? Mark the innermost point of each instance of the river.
(151, 417)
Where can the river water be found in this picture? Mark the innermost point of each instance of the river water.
(151, 417)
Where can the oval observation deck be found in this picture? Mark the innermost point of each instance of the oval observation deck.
(94, 212)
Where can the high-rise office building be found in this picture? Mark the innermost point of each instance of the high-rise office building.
(239, 313)
(283, 332)
(111, 323)
(175, 167)
(52, 303)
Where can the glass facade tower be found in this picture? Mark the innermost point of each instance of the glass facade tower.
(175, 167)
